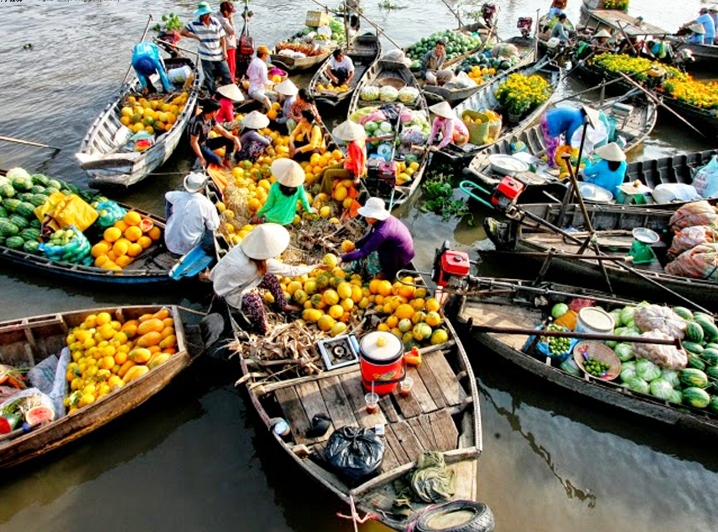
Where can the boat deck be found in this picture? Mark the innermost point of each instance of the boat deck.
(497, 315)
(421, 422)
(616, 20)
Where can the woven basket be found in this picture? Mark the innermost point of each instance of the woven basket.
(600, 352)
(391, 82)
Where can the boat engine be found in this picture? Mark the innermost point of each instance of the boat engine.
(451, 268)
(381, 177)
(507, 192)
(488, 12)
(524, 25)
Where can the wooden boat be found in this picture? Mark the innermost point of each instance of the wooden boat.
(299, 64)
(545, 25)
(101, 154)
(397, 75)
(454, 95)
(617, 22)
(484, 31)
(505, 303)
(613, 225)
(364, 51)
(706, 55)
(485, 99)
(634, 123)
(26, 342)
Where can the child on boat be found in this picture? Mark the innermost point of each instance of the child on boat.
(284, 194)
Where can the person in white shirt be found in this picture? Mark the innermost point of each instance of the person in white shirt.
(191, 217)
(341, 68)
(258, 78)
(251, 265)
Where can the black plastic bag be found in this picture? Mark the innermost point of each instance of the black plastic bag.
(354, 452)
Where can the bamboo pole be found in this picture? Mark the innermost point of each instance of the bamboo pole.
(27, 143)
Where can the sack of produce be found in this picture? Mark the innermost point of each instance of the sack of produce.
(665, 356)
(696, 213)
(701, 262)
(505, 51)
(68, 245)
(30, 406)
(354, 452)
(706, 179)
(74, 211)
(691, 237)
(670, 192)
(659, 318)
(109, 212)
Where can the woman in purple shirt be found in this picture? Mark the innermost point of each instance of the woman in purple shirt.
(388, 237)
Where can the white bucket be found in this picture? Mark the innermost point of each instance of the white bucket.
(179, 75)
(594, 320)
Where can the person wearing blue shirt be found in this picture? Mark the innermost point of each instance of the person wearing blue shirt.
(713, 12)
(610, 171)
(708, 24)
(146, 60)
(560, 121)
(697, 34)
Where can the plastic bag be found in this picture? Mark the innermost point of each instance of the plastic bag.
(691, 237)
(696, 213)
(594, 137)
(412, 135)
(49, 377)
(354, 452)
(669, 192)
(701, 262)
(658, 318)
(706, 179)
(76, 249)
(109, 212)
(461, 81)
(665, 356)
(73, 210)
(49, 206)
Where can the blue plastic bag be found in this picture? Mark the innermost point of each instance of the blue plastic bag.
(109, 212)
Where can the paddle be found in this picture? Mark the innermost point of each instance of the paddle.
(28, 143)
(573, 334)
(144, 34)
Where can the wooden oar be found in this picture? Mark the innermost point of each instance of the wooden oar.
(28, 143)
(659, 102)
(573, 334)
(144, 34)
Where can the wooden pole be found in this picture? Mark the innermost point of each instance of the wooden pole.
(144, 34)
(378, 28)
(28, 143)
(573, 334)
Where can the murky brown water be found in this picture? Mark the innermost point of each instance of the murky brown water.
(192, 459)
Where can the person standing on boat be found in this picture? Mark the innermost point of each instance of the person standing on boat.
(227, 96)
(253, 143)
(558, 31)
(432, 62)
(253, 265)
(191, 217)
(306, 139)
(557, 8)
(199, 128)
(697, 35)
(709, 28)
(713, 12)
(226, 19)
(212, 48)
(146, 60)
(610, 171)
(388, 237)
(453, 130)
(341, 68)
(561, 121)
(284, 194)
(354, 165)
(287, 94)
(257, 73)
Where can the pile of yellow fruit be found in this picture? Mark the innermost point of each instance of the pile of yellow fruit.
(125, 241)
(274, 111)
(108, 353)
(332, 299)
(331, 88)
(152, 116)
(405, 172)
(481, 74)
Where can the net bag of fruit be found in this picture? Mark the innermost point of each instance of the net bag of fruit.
(68, 245)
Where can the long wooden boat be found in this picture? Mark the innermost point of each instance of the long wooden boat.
(616, 21)
(507, 303)
(706, 55)
(484, 31)
(299, 64)
(545, 26)
(364, 51)
(28, 341)
(454, 95)
(634, 124)
(398, 75)
(100, 153)
(485, 99)
(613, 225)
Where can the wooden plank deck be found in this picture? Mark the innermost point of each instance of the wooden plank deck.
(497, 315)
(616, 19)
(413, 424)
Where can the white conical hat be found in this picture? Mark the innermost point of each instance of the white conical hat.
(286, 87)
(255, 120)
(442, 109)
(288, 172)
(611, 152)
(266, 241)
(592, 115)
(602, 33)
(232, 92)
(349, 131)
(697, 28)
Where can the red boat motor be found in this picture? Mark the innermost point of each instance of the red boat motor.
(488, 12)
(381, 176)
(507, 192)
(450, 268)
(524, 25)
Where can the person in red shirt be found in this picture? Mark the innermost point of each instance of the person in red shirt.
(354, 165)
(227, 95)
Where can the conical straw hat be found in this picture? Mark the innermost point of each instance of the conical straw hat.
(266, 241)
(602, 33)
(288, 172)
(442, 109)
(591, 114)
(255, 120)
(611, 152)
(349, 131)
(286, 87)
(232, 92)
(697, 28)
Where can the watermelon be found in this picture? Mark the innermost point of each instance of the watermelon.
(11, 204)
(40, 179)
(696, 397)
(710, 355)
(709, 327)
(694, 332)
(39, 414)
(8, 229)
(51, 190)
(713, 405)
(38, 199)
(37, 189)
(14, 242)
(54, 183)
(30, 234)
(7, 191)
(24, 196)
(694, 377)
(3, 212)
(693, 347)
(694, 361)
(26, 210)
(712, 372)
(35, 223)
(21, 222)
(32, 247)
(703, 315)
(21, 184)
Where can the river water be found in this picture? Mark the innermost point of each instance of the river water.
(191, 458)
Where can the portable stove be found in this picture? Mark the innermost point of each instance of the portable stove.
(339, 351)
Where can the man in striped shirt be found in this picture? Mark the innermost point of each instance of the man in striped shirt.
(212, 46)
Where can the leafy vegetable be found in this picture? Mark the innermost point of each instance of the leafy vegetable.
(637, 384)
(624, 351)
(661, 388)
(647, 370)
(628, 371)
(671, 376)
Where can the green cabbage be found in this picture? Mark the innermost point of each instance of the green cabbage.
(628, 371)
(624, 351)
(371, 127)
(637, 384)
(676, 397)
(370, 93)
(627, 314)
(647, 370)
(616, 315)
(569, 366)
(671, 375)
(16, 172)
(408, 95)
(385, 127)
(388, 94)
(661, 388)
